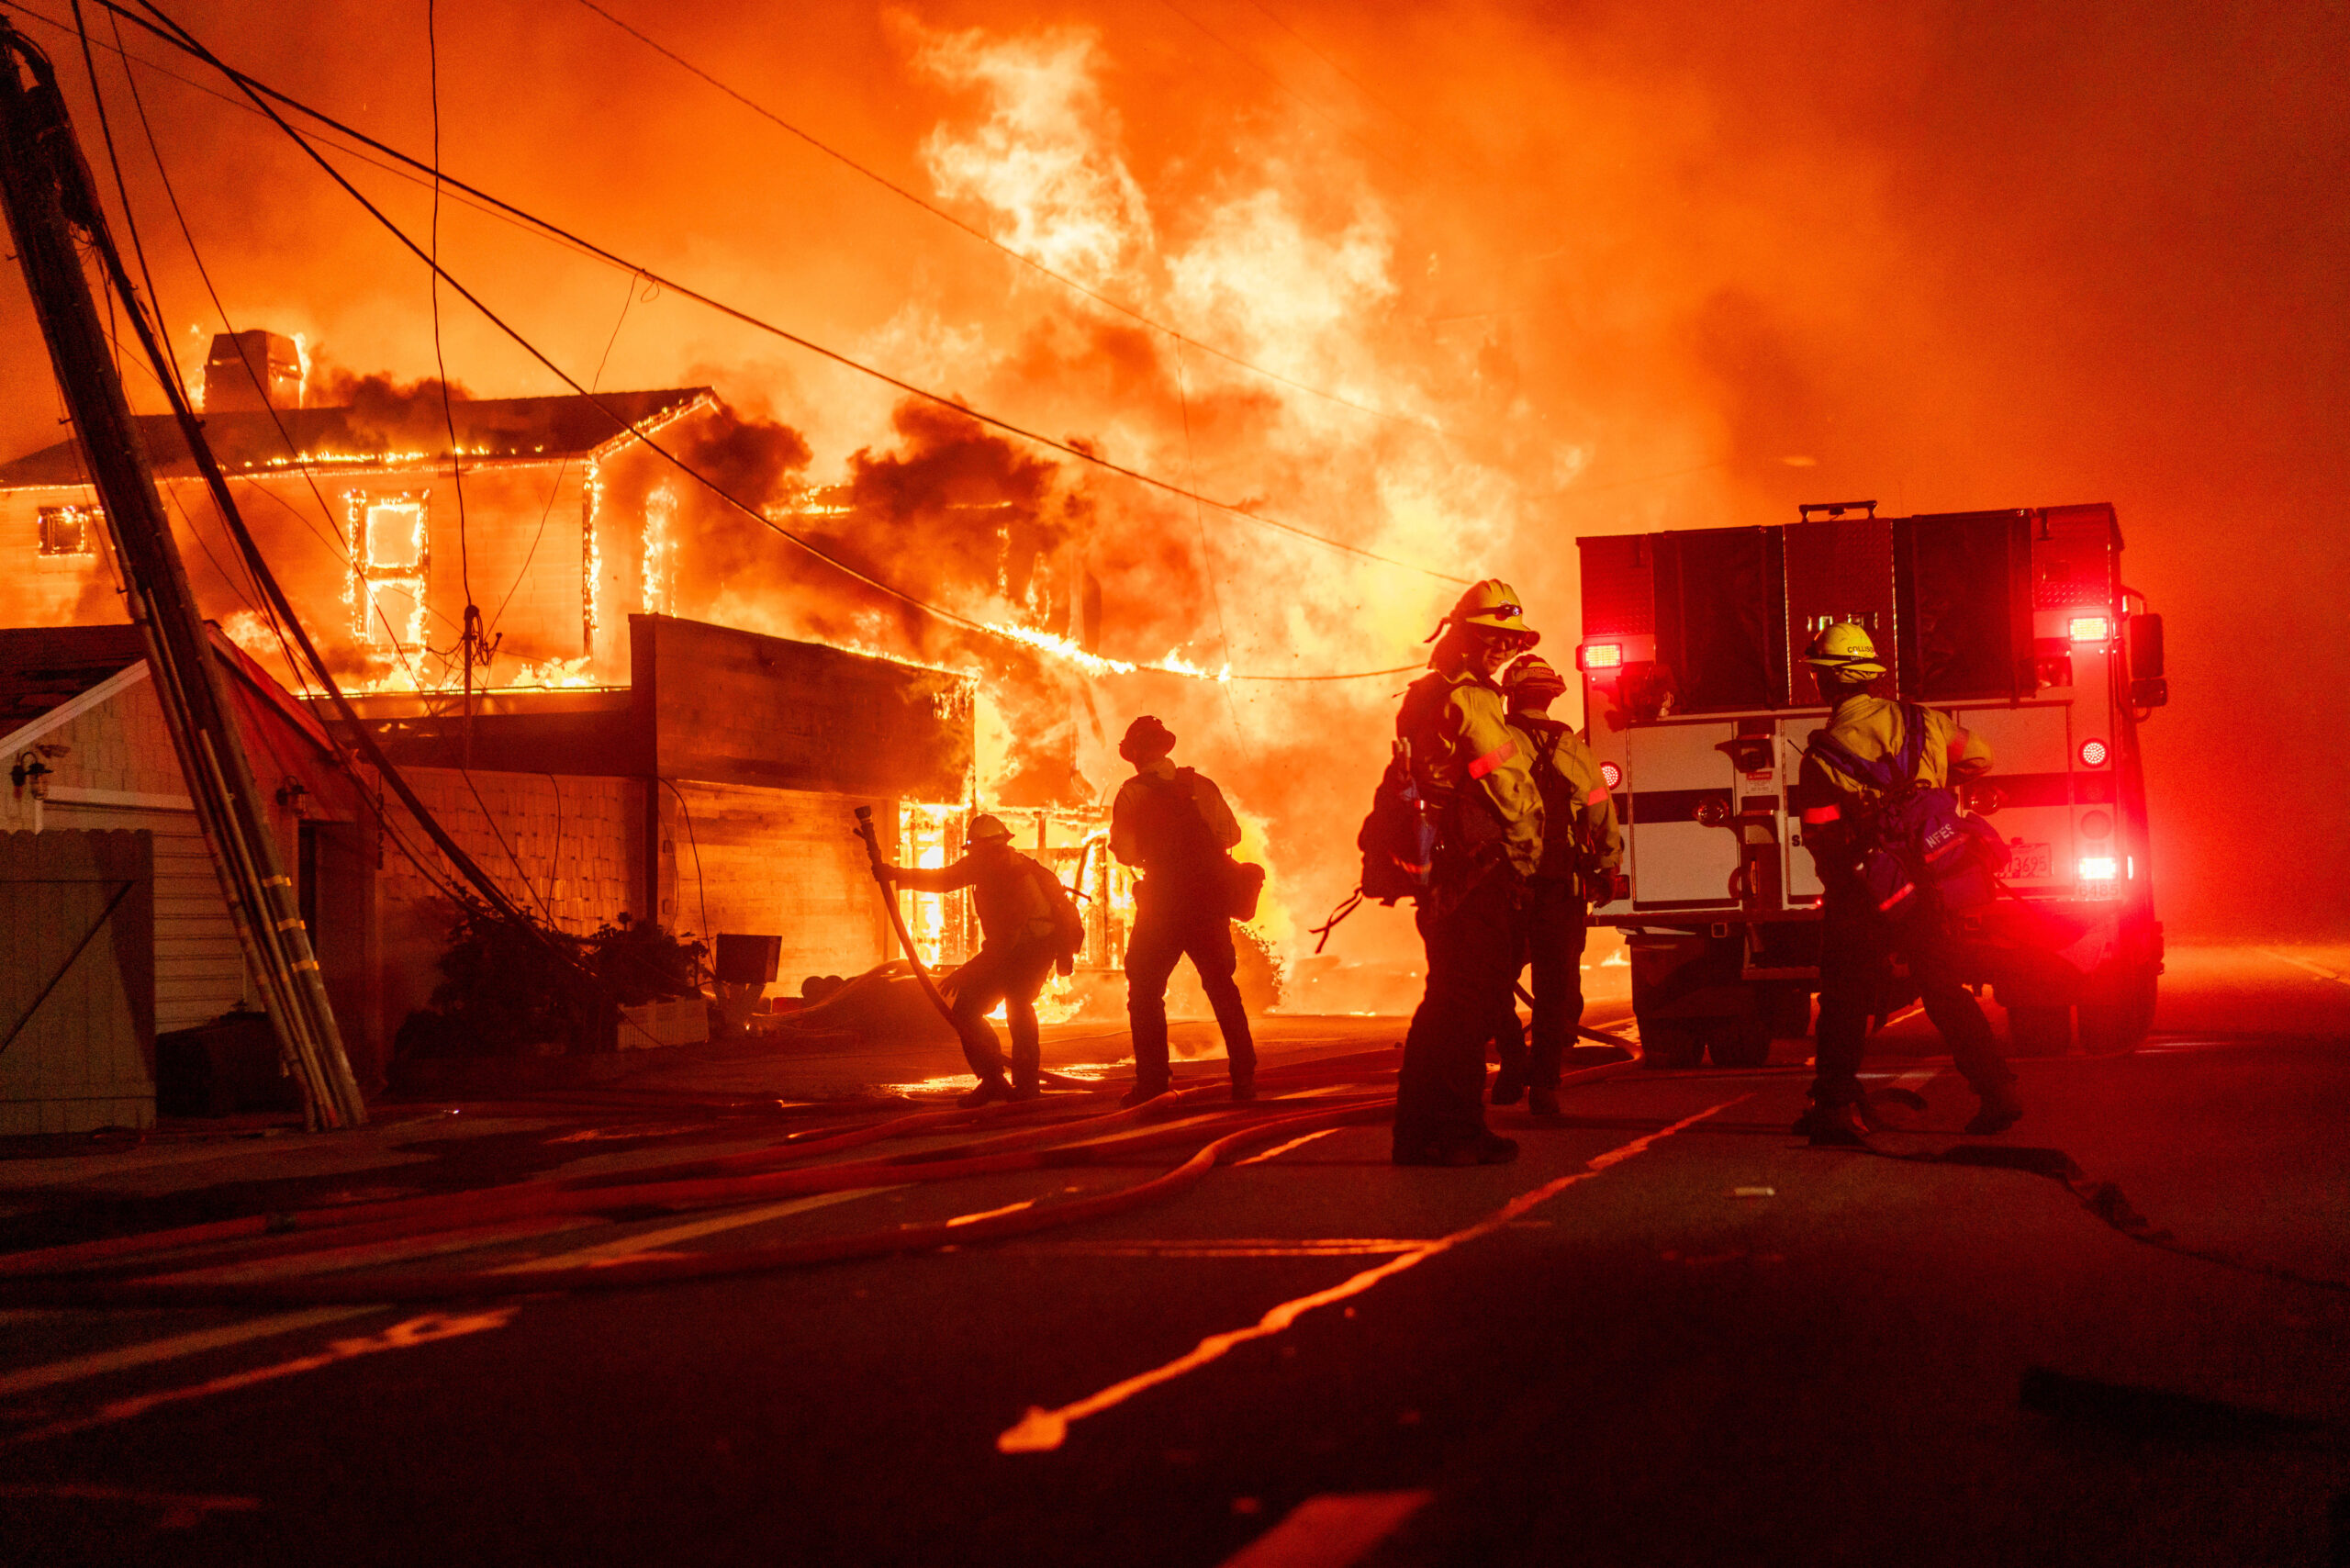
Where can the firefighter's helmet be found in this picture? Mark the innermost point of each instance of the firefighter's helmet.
(1532, 684)
(987, 829)
(1846, 649)
(1147, 739)
(1492, 605)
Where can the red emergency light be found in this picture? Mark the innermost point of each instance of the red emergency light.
(1600, 655)
(1610, 775)
(2092, 629)
(2094, 754)
(2099, 867)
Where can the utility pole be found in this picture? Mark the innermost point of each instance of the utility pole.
(46, 188)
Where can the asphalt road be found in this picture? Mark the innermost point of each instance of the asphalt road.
(1669, 1334)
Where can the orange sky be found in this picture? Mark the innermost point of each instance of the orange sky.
(1633, 257)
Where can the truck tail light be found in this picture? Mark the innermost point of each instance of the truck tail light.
(1600, 655)
(2099, 867)
(2092, 628)
(2094, 754)
(1610, 775)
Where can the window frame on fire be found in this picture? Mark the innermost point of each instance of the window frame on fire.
(85, 515)
(365, 575)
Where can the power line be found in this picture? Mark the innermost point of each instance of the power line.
(993, 243)
(187, 235)
(258, 92)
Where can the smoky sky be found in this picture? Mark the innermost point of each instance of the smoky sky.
(1647, 265)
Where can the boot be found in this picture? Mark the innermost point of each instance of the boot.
(1026, 1089)
(1509, 1085)
(1142, 1094)
(1833, 1127)
(1542, 1102)
(1244, 1088)
(990, 1091)
(2000, 1111)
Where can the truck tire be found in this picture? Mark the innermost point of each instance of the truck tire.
(2115, 1018)
(1738, 1042)
(2039, 1031)
(1787, 1009)
(1669, 1044)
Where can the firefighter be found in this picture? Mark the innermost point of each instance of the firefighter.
(1580, 850)
(1020, 943)
(1173, 824)
(1858, 941)
(1466, 756)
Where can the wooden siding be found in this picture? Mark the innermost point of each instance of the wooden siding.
(82, 1011)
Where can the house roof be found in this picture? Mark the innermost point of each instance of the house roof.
(44, 667)
(381, 432)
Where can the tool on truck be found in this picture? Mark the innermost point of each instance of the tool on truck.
(1699, 709)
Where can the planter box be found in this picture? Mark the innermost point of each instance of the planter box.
(685, 1022)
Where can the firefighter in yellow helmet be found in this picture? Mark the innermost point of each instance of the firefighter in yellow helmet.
(1023, 929)
(1466, 759)
(1857, 937)
(1580, 850)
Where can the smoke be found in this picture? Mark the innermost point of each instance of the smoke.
(1644, 266)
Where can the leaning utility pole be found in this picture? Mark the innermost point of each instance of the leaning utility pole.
(49, 194)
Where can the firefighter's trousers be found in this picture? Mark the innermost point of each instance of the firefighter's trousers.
(1012, 975)
(1169, 925)
(1555, 936)
(1857, 949)
(1474, 952)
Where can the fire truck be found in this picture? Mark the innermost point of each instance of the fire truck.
(1699, 706)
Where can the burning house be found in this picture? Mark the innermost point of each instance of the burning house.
(375, 533)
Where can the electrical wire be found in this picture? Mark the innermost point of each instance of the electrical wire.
(261, 95)
(716, 489)
(993, 243)
(170, 190)
(440, 362)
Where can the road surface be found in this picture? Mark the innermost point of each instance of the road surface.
(1669, 1334)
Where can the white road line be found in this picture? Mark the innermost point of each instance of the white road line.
(1281, 1148)
(99, 1362)
(1042, 1430)
(1334, 1246)
(1330, 1531)
(2336, 976)
(430, 1329)
(651, 1241)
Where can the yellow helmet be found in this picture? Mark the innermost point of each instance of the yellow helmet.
(1845, 648)
(1493, 605)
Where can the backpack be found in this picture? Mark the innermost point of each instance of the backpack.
(1914, 837)
(1401, 837)
(1178, 847)
(1069, 922)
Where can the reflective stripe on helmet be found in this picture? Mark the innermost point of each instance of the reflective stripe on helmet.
(1493, 759)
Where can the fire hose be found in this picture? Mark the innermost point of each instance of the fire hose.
(121, 1270)
(897, 917)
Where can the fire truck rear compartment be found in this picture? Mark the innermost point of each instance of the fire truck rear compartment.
(2015, 621)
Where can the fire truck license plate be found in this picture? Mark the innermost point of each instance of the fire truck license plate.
(2032, 860)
